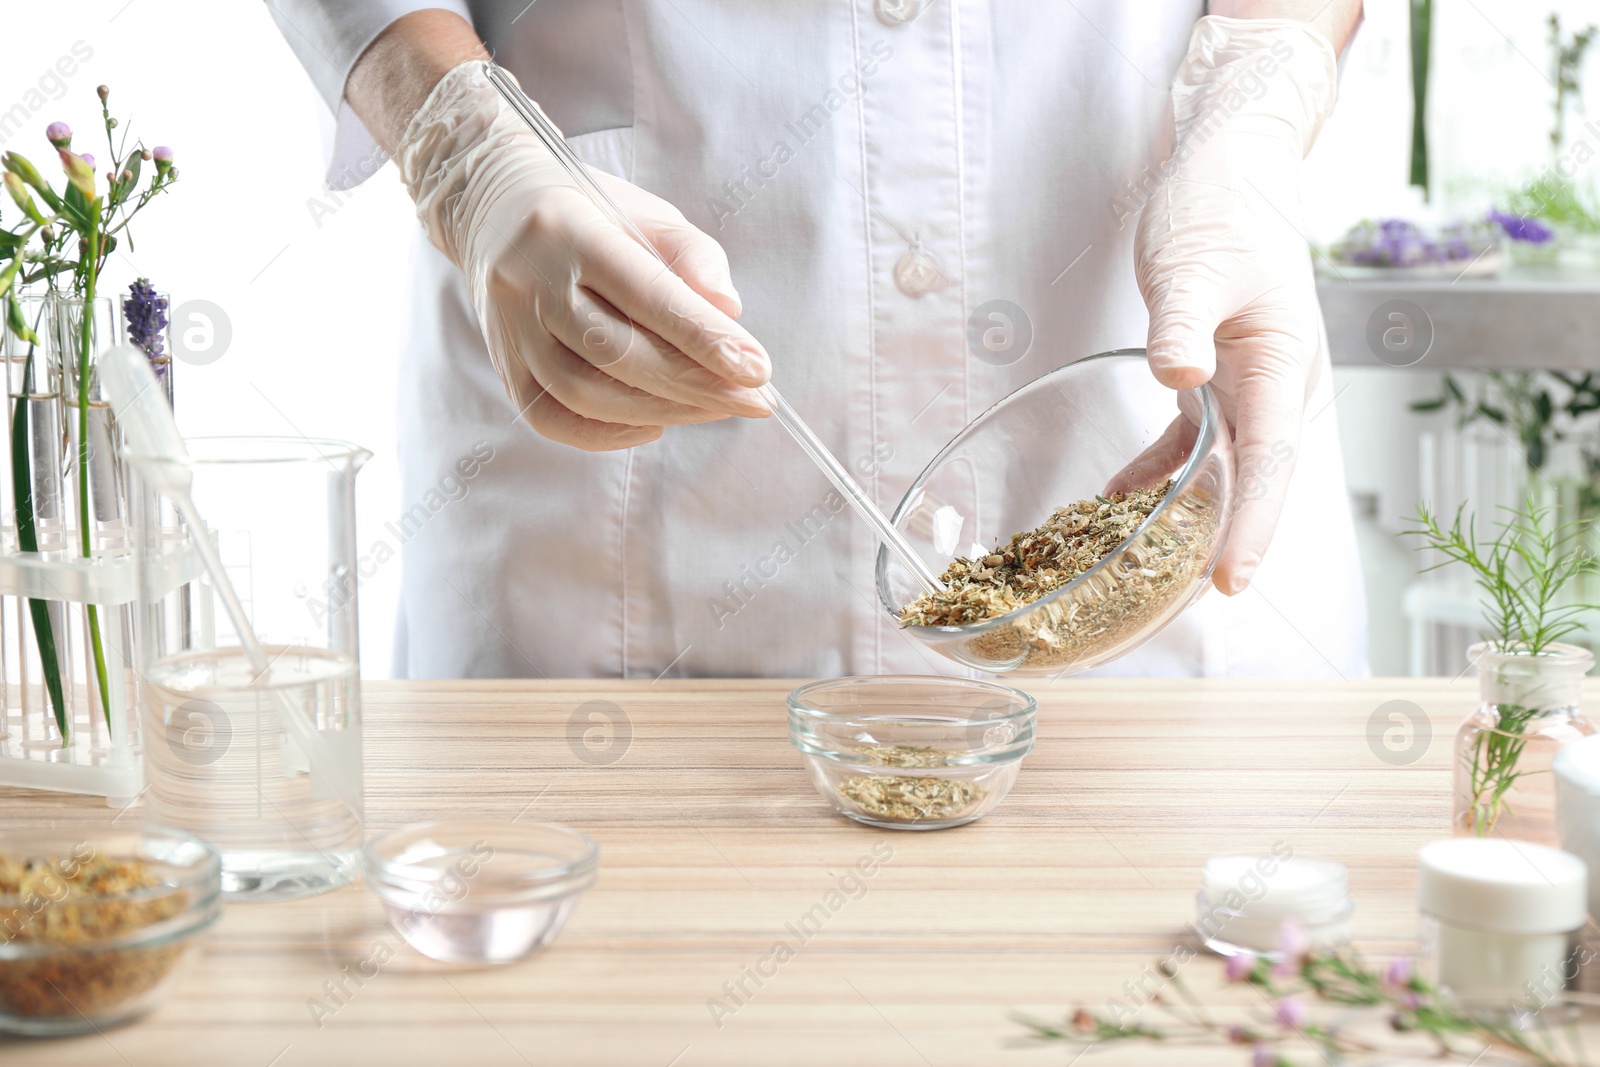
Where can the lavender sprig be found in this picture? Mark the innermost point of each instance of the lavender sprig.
(145, 312)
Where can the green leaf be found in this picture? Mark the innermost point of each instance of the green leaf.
(78, 210)
(120, 191)
(27, 541)
(1429, 405)
(1454, 389)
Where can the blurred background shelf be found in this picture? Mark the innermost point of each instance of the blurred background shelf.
(1526, 319)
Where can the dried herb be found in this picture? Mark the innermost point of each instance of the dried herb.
(1138, 587)
(76, 905)
(896, 798)
(1035, 563)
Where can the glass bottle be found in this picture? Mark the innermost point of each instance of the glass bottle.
(1503, 751)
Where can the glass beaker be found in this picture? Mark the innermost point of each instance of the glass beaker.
(264, 766)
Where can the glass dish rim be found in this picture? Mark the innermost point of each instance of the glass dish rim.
(572, 875)
(203, 880)
(1205, 437)
(802, 718)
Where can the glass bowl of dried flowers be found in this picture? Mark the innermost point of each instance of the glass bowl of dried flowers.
(1123, 491)
(92, 927)
(908, 752)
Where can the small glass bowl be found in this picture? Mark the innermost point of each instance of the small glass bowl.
(906, 752)
(1062, 438)
(480, 892)
(76, 964)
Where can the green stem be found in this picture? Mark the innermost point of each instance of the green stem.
(28, 541)
(85, 342)
(1421, 31)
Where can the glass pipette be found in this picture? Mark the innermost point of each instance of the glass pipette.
(824, 459)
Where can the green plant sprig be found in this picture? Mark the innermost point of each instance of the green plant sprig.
(1522, 572)
(71, 235)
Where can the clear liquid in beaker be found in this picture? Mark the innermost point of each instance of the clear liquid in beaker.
(223, 765)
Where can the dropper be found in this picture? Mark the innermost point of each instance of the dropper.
(825, 460)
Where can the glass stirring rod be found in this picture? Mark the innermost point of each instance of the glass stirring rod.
(824, 459)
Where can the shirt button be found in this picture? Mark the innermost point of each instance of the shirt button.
(916, 274)
(895, 12)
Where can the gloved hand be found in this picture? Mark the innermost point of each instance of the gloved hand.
(599, 346)
(1222, 262)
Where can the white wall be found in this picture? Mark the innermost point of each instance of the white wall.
(316, 306)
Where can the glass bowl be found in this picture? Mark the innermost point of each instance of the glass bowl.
(1063, 438)
(480, 892)
(93, 927)
(912, 753)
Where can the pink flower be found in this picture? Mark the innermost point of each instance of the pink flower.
(1291, 1012)
(163, 157)
(1292, 940)
(89, 159)
(1398, 974)
(1293, 947)
(1263, 1057)
(1238, 967)
(58, 134)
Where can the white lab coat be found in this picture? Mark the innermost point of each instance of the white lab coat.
(985, 149)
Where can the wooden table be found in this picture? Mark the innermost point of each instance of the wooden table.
(712, 839)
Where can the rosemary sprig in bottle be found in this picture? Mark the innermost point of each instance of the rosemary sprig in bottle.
(1523, 573)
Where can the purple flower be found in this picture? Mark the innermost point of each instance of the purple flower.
(1238, 967)
(163, 157)
(1291, 1012)
(89, 159)
(145, 311)
(1263, 1057)
(1398, 974)
(1400, 243)
(58, 134)
(1521, 227)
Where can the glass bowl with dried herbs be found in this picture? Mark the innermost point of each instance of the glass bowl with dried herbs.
(909, 752)
(1122, 491)
(92, 927)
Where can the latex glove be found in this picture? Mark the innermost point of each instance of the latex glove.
(1223, 265)
(598, 345)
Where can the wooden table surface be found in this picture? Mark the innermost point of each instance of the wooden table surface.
(712, 839)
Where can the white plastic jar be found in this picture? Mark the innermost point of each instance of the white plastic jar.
(1500, 920)
(1246, 900)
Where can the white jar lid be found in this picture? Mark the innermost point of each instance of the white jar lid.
(1273, 890)
(1501, 886)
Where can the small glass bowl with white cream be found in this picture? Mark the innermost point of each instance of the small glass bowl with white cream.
(1247, 900)
(910, 752)
(477, 891)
